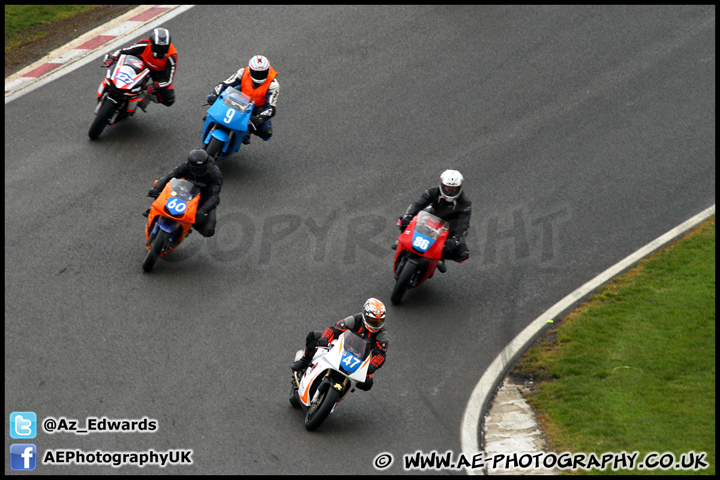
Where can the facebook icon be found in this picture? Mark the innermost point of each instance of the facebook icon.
(23, 456)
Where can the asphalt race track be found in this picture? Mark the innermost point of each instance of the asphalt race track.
(582, 132)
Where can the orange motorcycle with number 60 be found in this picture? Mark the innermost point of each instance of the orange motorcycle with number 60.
(170, 220)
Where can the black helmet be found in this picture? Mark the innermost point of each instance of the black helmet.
(198, 162)
(160, 42)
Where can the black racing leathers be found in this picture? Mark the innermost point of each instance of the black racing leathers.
(456, 213)
(378, 340)
(209, 184)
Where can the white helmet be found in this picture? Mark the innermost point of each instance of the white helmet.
(259, 68)
(451, 185)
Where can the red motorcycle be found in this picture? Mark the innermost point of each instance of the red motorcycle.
(419, 249)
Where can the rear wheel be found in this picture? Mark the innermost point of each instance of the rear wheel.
(154, 253)
(214, 148)
(317, 414)
(101, 119)
(402, 283)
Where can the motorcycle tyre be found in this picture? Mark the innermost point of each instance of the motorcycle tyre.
(314, 419)
(101, 120)
(214, 148)
(402, 283)
(155, 249)
(294, 399)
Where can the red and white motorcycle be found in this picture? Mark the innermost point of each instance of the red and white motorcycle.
(123, 88)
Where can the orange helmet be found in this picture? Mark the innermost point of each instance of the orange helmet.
(374, 314)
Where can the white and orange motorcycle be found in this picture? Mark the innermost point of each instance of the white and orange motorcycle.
(330, 377)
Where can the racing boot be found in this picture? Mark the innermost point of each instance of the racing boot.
(442, 266)
(246, 140)
(302, 364)
(142, 104)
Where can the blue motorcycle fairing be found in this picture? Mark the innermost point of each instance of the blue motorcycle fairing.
(218, 133)
(166, 224)
(230, 113)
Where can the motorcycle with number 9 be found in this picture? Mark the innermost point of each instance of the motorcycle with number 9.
(226, 123)
(170, 220)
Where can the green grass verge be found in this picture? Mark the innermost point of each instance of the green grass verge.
(27, 23)
(633, 368)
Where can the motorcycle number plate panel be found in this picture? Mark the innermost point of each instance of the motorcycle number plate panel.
(421, 242)
(125, 76)
(176, 206)
(350, 362)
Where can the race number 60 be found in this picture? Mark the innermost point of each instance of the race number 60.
(177, 206)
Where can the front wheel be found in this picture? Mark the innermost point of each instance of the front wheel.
(154, 253)
(101, 119)
(294, 400)
(402, 283)
(214, 148)
(317, 414)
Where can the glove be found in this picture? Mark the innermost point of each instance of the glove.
(109, 61)
(256, 121)
(322, 342)
(211, 98)
(405, 221)
(451, 243)
(366, 385)
(153, 88)
(154, 193)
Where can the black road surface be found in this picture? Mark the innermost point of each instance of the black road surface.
(583, 133)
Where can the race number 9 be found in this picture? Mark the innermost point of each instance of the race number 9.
(229, 115)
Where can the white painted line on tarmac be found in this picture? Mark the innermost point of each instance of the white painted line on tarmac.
(481, 395)
(33, 83)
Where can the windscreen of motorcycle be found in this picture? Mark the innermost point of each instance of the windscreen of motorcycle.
(355, 350)
(237, 100)
(129, 73)
(179, 187)
(428, 228)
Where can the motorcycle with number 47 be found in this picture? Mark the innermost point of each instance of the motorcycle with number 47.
(125, 83)
(330, 377)
(170, 220)
(419, 249)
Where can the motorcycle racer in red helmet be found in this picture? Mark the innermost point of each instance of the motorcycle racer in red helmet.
(368, 324)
